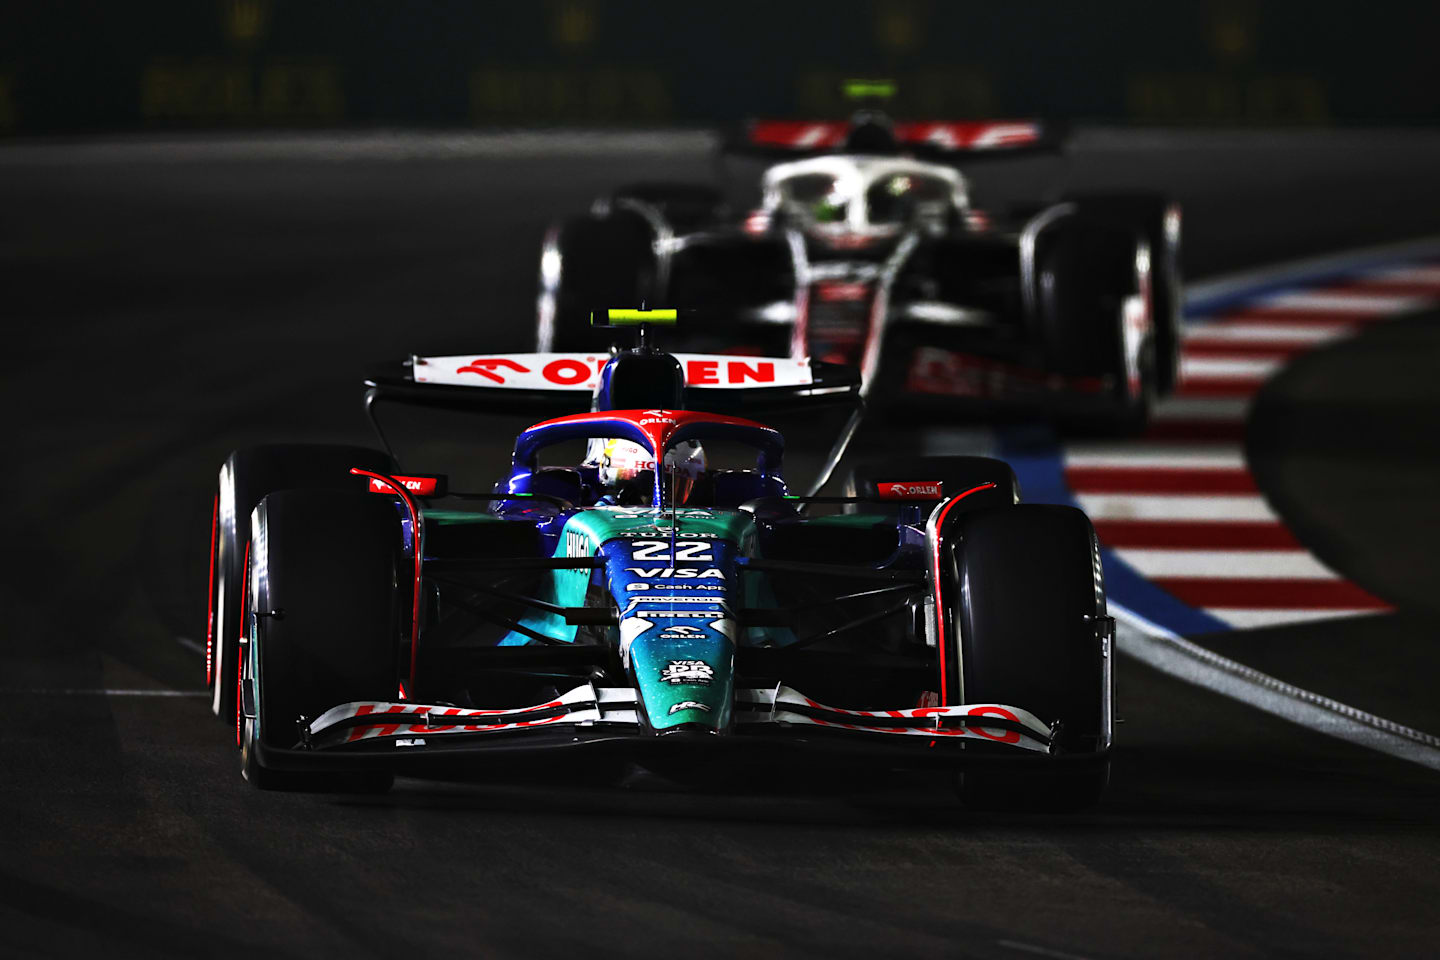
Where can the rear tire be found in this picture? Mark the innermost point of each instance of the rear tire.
(247, 475)
(1025, 602)
(1087, 269)
(1157, 220)
(591, 263)
(686, 207)
(326, 621)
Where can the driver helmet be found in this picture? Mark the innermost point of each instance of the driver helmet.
(624, 467)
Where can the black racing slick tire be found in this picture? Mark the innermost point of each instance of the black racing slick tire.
(1087, 270)
(1156, 219)
(327, 618)
(591, 263)
(1026, 626)
(685, 207)
(247, 475)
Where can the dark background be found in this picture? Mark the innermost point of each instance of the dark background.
(170, 295)
(87, 65)
(176, 304)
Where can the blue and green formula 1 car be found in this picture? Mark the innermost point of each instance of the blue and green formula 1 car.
(643, 603)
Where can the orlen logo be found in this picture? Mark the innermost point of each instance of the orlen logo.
(702, 373)
(563, 372)
(420, 486)
(486, 367)
(911, 490)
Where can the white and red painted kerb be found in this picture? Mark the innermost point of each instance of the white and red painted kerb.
(1178, 508)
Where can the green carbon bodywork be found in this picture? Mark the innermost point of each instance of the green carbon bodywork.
(677, 634)
(677, 631)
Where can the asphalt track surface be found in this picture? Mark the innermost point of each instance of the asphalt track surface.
(159, 313)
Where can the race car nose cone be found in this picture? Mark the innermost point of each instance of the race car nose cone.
(688, 729)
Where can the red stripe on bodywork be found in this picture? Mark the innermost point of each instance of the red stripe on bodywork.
(939, 602)
(404, 495)
(1158, 480)
(1270, 594)
(1195, 535)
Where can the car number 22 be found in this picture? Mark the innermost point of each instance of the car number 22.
(660, 550)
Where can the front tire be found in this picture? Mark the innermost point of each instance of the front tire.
(1027, 625)
(247, 475)
(325, 621)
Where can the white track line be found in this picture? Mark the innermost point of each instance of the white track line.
(1228, 368)
(1405, 275)
(1185, 456)
(1172, 654)
(1340, 302)
(1226, 564)
(1199, 296)
(1208, 409)
(1248, 619)
(1263, 333)
(1218, 508)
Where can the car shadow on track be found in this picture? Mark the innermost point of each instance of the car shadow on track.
(1194, 788)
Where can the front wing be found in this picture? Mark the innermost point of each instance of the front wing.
(588, 710)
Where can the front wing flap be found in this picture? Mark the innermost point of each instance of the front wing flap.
(772, 711)
(586, 705)
(1005, 724)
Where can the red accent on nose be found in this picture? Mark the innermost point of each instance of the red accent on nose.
(397, 485)
(939, 603)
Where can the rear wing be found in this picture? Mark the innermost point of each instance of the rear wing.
(558, 383)
(553, 384)
(940, 140)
